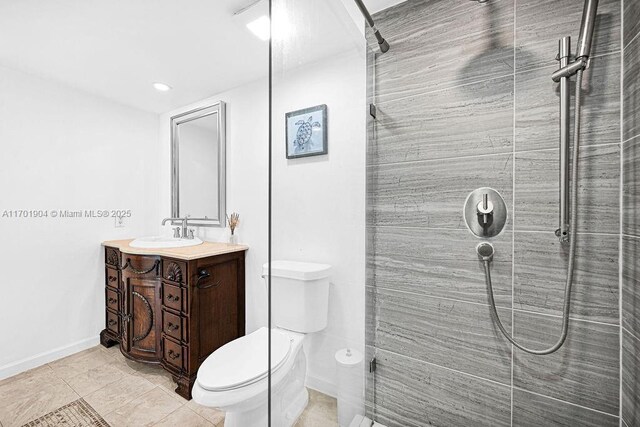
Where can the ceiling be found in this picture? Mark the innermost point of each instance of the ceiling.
(116, 49)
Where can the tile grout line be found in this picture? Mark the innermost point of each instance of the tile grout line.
(498, 306)
(186, 405)
(549, 65)
(621, 215)
(406, 162)
(126, 403)
(633, 335)
(583, 233)
(503, 153)
(624, 46)
(446, 88)
(414, 227)
(575, 319)
(166, 416)
(72, 389)
(605, 144)
(492, 381)
(513, 203)
(564, 401)
(182, 405)
(446, 368)
(631, 138)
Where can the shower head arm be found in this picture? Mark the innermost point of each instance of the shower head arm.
(384, 45)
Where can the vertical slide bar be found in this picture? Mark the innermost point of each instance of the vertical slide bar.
(564, 52)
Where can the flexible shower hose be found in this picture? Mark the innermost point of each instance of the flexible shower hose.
(572, 243)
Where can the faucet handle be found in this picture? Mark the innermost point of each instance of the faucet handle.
(485, 208)
(191, 234)
(176, 232)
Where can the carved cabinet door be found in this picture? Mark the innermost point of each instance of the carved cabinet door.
(141, 338)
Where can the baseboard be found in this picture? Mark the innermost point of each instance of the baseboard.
(15, 368)
(322, 385)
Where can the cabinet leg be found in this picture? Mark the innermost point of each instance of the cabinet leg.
(184, 386)
(106, 339)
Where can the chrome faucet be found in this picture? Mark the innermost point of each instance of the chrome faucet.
(177, 233)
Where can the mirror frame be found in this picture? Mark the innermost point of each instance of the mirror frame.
(218, 108)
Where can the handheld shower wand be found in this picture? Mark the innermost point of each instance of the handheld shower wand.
(587, 27)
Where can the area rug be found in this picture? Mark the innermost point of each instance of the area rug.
(76, 414)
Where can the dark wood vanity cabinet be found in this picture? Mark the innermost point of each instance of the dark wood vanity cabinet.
(171, 311)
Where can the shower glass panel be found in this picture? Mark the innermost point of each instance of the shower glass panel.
(318, 190)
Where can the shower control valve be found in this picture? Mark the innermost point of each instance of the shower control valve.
(485, 210)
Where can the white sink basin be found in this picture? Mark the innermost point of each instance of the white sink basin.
(159, 242)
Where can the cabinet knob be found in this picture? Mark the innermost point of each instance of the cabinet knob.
(112, 300)
(173, 327)
(112, 279)
(112, 322)
(171, 298)
(173, 354)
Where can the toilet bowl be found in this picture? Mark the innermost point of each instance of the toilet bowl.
(234, 378)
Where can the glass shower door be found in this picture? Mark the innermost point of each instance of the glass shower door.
(318, 178)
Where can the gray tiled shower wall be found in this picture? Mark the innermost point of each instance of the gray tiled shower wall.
(465, 100)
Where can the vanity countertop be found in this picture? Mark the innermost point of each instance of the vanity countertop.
(206, 249)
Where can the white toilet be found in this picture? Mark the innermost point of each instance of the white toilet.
(234, 377)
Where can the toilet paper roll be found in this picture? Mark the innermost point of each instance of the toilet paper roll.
(350, 375)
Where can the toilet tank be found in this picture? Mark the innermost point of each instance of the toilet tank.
(299, 295)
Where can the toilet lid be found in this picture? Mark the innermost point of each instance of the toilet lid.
(244, 361)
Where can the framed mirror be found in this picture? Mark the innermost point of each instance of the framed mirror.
(198, 185)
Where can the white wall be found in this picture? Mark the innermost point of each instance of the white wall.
(319, 202)
(247, 183)
(64, 149)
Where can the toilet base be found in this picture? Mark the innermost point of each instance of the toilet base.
(258, 417)
(289, 399)
(296, 408)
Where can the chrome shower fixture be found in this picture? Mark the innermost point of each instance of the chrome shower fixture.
(587, 27)
(485, 212)
(384, 45)
(562, 75)
(568, 187)
(485, 251)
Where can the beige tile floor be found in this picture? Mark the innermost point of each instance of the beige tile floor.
(123, 392)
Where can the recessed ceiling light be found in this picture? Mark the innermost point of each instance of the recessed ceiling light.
(161, 87)
(261, 27)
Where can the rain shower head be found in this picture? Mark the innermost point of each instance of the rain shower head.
(485, 251)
